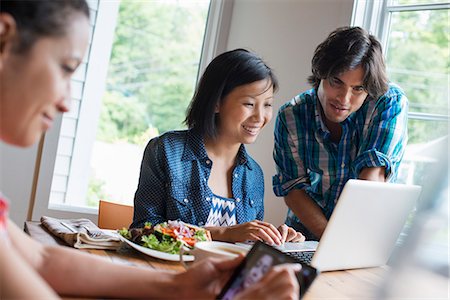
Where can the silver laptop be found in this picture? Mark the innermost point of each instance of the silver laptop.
(364, 226)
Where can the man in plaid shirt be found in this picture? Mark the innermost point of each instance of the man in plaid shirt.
(351, 124)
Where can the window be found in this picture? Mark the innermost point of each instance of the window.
(416, 39)
(151, 79)
(415, 35)
(135, 82)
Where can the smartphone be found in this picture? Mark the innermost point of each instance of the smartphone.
(258, 261)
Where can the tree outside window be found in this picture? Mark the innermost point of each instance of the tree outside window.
(151, 79)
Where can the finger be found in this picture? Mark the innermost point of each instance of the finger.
(268, 232)
(292, 234)
(254, 237)
(228, 264)
(300, 238)
(295, 236)
(271, 228)
(271, 231)
(282, 277)
(293, 267)
(283, 229)
(276, 272)
(262, 235)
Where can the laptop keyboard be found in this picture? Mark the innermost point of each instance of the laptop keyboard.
(303, 256)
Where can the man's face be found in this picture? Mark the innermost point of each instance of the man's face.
(342, 95)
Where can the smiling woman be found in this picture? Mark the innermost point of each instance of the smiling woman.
(44, 69)
(204, 175)
(41, 44)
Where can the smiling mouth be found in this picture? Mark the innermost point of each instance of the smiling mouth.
(338, 107)
(251, 130)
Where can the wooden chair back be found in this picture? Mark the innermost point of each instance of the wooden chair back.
(114, 215)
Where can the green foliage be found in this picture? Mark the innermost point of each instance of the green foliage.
(121, 118)
(418, 59)
(157, 48)
(153, 67)
(95, 192)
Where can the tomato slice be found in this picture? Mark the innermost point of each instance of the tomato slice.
(190, 241)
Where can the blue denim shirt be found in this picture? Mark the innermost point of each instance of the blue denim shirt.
(173, 183)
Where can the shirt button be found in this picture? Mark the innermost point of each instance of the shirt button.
(186, 200)
(251, 202)
(208, 162)
(207, 198)
(343, 165)
(238, 199)
(200, 223)
(235, 175)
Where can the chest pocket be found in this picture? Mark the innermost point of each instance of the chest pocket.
(178, 191)
(180, 203)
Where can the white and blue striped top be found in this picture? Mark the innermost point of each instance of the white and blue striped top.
(222, 213)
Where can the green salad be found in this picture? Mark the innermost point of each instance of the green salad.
(168, 237)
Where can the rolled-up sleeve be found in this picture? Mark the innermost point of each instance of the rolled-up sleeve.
(291, 173)
(385, 136)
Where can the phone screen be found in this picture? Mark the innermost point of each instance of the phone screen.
(257, 263)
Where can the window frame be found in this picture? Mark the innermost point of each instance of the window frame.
(103, 19)
(375, 16)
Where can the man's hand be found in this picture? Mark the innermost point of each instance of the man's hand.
(373, 174)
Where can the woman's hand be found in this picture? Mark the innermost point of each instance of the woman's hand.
(279, 283)
(288, 234)
(206, 278)
(249, 231)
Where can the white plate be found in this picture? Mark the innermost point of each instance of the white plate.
(156, 253)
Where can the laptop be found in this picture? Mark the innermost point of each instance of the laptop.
(364, 227)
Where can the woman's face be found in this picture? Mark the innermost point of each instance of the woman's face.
(261, 267)
(245, 111)
(36, 85)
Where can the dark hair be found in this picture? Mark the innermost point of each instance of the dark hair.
(223, 74)
(345, 49)
(39, 18)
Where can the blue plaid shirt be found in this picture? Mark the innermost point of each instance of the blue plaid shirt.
(173, 183)
(306, 158)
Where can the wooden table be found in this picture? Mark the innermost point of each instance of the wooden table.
(351, 284)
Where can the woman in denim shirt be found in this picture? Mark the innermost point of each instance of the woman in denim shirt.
(204, 175)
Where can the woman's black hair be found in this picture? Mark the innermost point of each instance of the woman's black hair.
(225, 72)
(38, 18)
(345, 49)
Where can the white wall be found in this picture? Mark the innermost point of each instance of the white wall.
(16, 178)
(285, 33)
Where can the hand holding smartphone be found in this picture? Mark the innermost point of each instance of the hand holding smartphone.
(256, 264)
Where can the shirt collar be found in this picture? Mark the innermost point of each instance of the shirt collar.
(243, 158)
(318, 120)
(194, 149)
